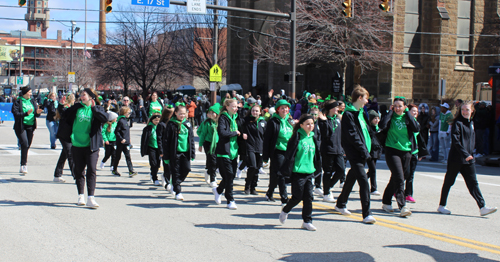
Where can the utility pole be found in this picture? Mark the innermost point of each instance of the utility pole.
(293, 45)
(71, 57)
(216, 48)
(102, 23)
(20, 60)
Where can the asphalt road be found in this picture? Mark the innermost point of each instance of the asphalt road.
(137, 221)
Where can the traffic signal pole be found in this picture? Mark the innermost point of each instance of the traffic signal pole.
(293, 29)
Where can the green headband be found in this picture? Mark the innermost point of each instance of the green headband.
(170, 106)
(180, 104)
(400, 97)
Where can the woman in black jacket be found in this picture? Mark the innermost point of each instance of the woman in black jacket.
(166, 114)
(122, 133)
(153, 105)
(375, 152)
(65, 103)
(253, 133)
(461, 160)
(52, 123)
(178, 148)
(25, 111)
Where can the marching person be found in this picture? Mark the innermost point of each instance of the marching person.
(207, 132)
(356, 143)
(375, 152)
(122, 133)
(302, 159)
(149, 146)
(461, 160)
(65, 103)
(253, 132)
(109, 138)
(51, 105)
(25, 110)
(166, 114)
(85, 120)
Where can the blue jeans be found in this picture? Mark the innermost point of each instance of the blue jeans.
(434, 142)
(52, 127)
(444, 144)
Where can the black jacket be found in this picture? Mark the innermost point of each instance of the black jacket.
(225, 133)
(99, 117)
(63, 126)
(255, 134)
(376, 151)
(412, 126)
(462, 141)
(19, 114)
(270, 138)
(291, 151)
(353, 141)
(51, 109)
(170, 140)
(331, 142)
(147, 105)
(122, 131)
(160, 132)
(146, 134)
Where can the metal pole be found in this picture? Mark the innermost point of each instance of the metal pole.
(8, 79)
(71, 59)
(20, 58)
(216, 48)
(237, 9)
(293, 45)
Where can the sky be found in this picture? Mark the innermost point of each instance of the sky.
(13, 11)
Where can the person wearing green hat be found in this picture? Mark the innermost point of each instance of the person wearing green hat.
(278, 132)
(207, 132)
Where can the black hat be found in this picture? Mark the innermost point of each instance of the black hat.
(25, 90)
(372, 114)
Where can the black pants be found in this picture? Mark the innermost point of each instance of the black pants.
(166, 172)
(356, 173)
(118, 155)
(25, 139)
(277, 161)
(154, 162)
(65, 154)
(254, 161)
(302, 190)
(318, 177)
(83, 157)
(243, 158)
(332, 164)
(372, 174)
(410, 175)
(468, 172)
(179, 168)
(227, 169)
(211, 164)
(109, 151)
(397, 161)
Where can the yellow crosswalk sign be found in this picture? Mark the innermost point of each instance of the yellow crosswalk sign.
(215, 74)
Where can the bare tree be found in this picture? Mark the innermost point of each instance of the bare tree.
(59, 65)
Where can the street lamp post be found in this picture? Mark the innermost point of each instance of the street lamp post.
(73, 32)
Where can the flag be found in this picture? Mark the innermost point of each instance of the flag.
(87, 54)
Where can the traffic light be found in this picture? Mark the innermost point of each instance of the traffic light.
(385, 6)
(107, 6)
(347, 11)
(22, 2)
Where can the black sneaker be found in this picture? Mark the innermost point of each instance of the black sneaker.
(115, 173)
(247, 191)
(270, 199)
(254, 192)
(132, 174)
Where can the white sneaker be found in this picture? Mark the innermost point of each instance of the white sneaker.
(232, 205)
(21, 169)
(444, 210)
(179, 196)
(488, 210)
(369, 220)
(91, 202)
(59, 179)
(308, 226)
(328, 198)
(207, 178)
(342, 211)
(216, 195)
(405, 212)
(81, 200)
(341, 185)
(213, 184)
(245, 169)
(318, 191)
(375, 193)
(157, 183)
(101, 166)
(261, 171)
(387, 208)
(169, 188)
(111, 168)
(238, 174)
(283, 217)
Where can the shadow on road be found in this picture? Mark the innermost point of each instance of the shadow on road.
(239, 226)
(328, 257)
(442, 256)
(6, 203)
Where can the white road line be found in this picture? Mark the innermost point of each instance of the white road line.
(458, 179)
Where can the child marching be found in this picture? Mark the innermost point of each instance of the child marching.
(253, 133)
(149, 146)
(109, 138)
(122, 133)
(166, 114)
(207, 132)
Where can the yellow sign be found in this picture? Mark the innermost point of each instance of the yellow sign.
(10, 53)
(215, 74)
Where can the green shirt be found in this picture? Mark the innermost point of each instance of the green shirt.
(445, 121)
(285, 133)
(304, 159)
(154, 107)
(27, 105)
(206, 131)
(109, 136)
(153, 142)
(81, 127)
(182, 140)
(233, 141)
(397, 136)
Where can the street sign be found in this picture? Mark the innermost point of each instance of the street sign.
(71, 77)
(19, 80)
(212, 87)
(156, 3)
(337, 83)
(197, 6)
(215, 74)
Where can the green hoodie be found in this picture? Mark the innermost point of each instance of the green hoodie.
(182, 141)
(154, 107)
(304, 159)
(111, 137)
(27, 105)
(233, 141)
(206, 131)
(397, 136)
(81, 127)
(153, 142)
(286, 130)
(362, 123)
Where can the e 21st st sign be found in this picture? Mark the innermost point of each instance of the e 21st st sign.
(157, 3)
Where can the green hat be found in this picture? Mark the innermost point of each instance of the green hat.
(215, 108)
(282, 102)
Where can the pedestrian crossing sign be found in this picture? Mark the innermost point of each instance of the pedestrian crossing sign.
(215, 74)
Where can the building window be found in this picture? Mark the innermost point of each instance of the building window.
(412, 40)
(38, 11)
(464, 31)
